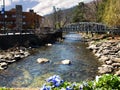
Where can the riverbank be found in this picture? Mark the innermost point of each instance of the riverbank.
(12, 55)
(16, 47)
(107, 50)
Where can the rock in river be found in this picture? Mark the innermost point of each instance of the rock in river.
(49, 44)
(66, 62)
(3, 65)
(42, 60)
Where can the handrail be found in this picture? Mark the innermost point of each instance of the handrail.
(14, 32)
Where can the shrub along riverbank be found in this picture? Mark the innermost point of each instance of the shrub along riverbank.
(104, 82)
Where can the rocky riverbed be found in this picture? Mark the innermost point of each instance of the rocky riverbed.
(12, 55)
(107, 50)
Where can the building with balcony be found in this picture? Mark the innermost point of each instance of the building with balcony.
(17, 19)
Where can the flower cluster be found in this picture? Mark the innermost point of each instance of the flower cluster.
(55, 81)
(104, 82)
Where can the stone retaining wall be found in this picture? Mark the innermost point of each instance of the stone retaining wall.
(27, 40)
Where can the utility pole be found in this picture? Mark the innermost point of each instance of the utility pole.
(3, 12)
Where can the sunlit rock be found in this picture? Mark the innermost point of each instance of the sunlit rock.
(49, 44)
(66, 62)
(3, 65)
(116, 60)
(103, 59)
(105, 69)
(42, 60)
(117, 73)
(116, 64)
(109, 62)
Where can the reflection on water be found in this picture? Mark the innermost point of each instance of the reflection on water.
(28, 73)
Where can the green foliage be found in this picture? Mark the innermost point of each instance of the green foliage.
(104, 82)
(111, 14)
(79, 13)
(101, 9)
(6, 89)
(108, 82)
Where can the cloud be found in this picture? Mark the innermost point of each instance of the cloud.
(8, 2)
(43, 7)
(46, 6)
(15, 0)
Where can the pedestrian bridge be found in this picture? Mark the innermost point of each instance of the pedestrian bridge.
(90, 27)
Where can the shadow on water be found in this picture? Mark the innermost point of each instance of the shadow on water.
(28, 73)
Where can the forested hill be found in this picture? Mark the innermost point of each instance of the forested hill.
(105, 11)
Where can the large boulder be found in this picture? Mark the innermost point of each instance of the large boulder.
(42, 60)
(66, 62)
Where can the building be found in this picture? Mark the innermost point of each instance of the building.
(16, 19)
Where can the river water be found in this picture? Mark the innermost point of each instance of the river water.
(28, 73)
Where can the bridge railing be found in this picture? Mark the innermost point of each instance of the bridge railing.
(91, 27)
(15, 32)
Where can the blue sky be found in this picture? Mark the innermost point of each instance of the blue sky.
(41, 7)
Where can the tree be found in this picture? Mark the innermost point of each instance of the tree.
(79, 13)
(101, 10)
(59, 19)
(112, 13)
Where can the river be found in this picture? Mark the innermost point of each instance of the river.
(29, 73)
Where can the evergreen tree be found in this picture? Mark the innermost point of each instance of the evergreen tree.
(79, 13)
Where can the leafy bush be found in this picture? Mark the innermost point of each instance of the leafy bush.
(104, 82)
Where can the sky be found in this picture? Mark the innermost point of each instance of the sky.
(41, 7)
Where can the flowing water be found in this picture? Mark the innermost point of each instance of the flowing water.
(29, 73)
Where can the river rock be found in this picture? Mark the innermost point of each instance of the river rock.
(10, 61)
(9, 56)
(118, 45)
(42, 60)
(26, 53)
(105, 52)
(98, 55)
(116, 64)
(3, 65)
(17, 57)
(2, 56)
(92, 47)
(103, 59)
(105, 69)
(49, 44)
(109, 62)
(66, 62)
(116, 60)
(117, 73)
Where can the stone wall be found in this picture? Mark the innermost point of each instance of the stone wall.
(28, 40)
